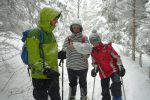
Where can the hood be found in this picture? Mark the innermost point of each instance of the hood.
(47, 15)
(76, 22)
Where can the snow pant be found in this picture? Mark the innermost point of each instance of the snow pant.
(115, 87)
(73, 76)
(44, 87)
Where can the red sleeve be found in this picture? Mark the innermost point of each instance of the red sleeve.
(93, 59)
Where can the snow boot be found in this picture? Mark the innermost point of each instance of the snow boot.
(83, 94)
(72, 93)
(117, 98)
(84, 98)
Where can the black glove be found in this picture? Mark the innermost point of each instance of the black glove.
(50, 73)
(121, 71)
(94, 71)
(61, 55)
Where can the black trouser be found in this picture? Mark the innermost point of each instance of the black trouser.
(44, 87)
(74, 75)
(115, 87)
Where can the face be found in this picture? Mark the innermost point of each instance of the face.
(95, 44)
(76, 28)
(53, 22)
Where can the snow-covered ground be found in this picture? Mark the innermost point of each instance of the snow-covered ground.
(15, 83)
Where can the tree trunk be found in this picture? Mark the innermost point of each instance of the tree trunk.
(149, 72)
(140, 58)
(133, 31)
(78, 8)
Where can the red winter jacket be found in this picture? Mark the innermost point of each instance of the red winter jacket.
(106, 58)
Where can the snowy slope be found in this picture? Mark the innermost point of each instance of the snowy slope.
(136, 81)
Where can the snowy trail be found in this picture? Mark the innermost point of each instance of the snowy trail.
(136, 82)
(90, 81)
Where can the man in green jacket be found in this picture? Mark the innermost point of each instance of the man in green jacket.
(44, 85)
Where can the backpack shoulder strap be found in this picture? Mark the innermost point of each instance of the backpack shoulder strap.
(41, 36)
(25, 35)
(83, 39)
(69, 39)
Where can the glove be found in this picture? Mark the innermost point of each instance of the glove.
(61, 55)
(94, 71)
(50, 73)
(121, 71)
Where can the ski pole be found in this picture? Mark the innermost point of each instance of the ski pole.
(123, 88)
(29, 71)
(62, 78)
(93, 88)
(122, 84)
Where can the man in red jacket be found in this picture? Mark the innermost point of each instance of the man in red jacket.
(107, 62)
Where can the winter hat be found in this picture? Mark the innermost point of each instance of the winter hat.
(94, 31)
(76, 22)
(94, 37)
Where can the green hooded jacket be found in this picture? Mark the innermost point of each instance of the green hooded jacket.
(50, 46)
